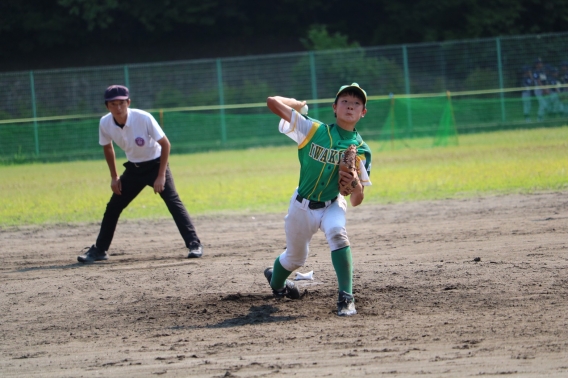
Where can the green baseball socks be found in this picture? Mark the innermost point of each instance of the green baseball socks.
(279, 275)
(343, 265)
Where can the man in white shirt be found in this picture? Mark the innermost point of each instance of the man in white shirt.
(147, 149)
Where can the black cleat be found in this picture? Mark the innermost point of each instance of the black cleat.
(92, 255)
(288, 291)
(195, 250)
(346, 304)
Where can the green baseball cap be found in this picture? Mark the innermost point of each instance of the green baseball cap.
(354, 86)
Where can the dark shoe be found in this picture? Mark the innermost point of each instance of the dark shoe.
(195, 251)
(346, 304)
(288, 291)
(92, 255)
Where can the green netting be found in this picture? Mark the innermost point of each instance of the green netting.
(210, 104)
(433, 121)
(187, 131)
(447, 134)
(410, 118)
(438, 121)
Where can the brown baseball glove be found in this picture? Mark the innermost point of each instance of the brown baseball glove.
(349, 164)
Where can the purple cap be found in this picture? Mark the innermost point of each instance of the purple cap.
(116, 92)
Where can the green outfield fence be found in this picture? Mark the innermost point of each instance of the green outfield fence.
(432, 91)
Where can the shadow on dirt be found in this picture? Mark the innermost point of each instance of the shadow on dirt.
(256, 315)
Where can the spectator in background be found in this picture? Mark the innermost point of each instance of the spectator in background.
(564, 74)
(554, 105)
(539, 79)
(527, 84)
(563, 78)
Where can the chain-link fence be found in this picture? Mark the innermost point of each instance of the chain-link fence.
(211, 104)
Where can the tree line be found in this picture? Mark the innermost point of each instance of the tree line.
(43, 28)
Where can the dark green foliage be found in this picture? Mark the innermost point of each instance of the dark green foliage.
(41, 25)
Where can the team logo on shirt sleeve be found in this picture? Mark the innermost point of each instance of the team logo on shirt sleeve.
(139, 141)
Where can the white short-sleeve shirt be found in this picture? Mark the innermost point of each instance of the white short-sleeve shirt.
(138, 138)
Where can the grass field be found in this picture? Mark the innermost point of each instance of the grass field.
(262, 180)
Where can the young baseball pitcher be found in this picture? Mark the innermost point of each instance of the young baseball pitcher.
(318, 202)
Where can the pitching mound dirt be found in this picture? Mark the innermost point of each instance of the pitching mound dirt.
(443, 288)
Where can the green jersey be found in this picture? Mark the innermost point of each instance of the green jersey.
(320, 147)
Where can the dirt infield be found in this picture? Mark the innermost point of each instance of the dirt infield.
(475, 287)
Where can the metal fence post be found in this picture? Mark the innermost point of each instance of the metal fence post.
(221, 101)
(126, 77)
(314, 83)
(407, 90)
(34, 113)
(500, 70)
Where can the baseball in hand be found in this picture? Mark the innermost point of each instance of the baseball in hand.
(304, 109)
